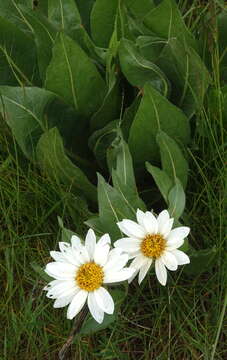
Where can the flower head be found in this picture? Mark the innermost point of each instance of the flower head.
(80, 271)
(152, 240)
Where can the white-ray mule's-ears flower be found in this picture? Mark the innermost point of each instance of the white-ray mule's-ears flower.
(151, 239)
(80, 271)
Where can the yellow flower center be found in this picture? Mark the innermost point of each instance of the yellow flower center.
(89, 276)
(153, 245)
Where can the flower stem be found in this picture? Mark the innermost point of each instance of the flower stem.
(78, 322)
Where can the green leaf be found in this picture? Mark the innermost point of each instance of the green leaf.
(55, 163)
(91, 326)
(222, 41)
(25, 117)
(102, 21)
(188, 74)
(40, 271)
(85, 8)
(162, 180)
(109, 109)
(64, 15)
(150, 47)
(15, 67)
(155, 113)
(66, 77)
(139, 8)
(173, 161)
(166, 21)
(66, 234)
(138, 70)
(44, 35)
(123, 174)
(176, 199)
(112, 208)
(100, 141)
(201, 261)
(95, 224)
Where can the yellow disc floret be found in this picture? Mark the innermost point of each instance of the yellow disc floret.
(89, 276)
(153, 245)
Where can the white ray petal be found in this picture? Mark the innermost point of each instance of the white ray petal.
(90, 242)
(101, 254)
(174, 244)
(181, 257)
(96, 312)
(161, 272)
(76, 242)
(178, 233)
(104, 300)
(60, 270)
(131, 229)
(150, 223)
(63, 301)
(62, 288)
(116, 263)
(77, 304)
(169, 260)
(112, 277)
(143, 270)
(128, 244)
(104, 240)
(139, 261)
(57, 256)
(139, 216)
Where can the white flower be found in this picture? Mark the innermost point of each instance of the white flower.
(81, 270)
(151, 239)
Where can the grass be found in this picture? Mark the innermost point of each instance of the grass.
(184, 321)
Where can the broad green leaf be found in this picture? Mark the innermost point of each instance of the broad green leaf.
(113, 207)
(128, 117)
(52, 158)
(102, 21)
(188, 74)
(139, 8)
(176, 199)
(173, 161)
(40, 272)
(91, 326)
(101, 139)
(138, 70)
(162, 180)
(85, 8)
(95, 224)
(123, 174)
(24, 112)
(166, 21)
(44, 35)
(66, 234)
(15, 67)
(155, 113)
(201, 261)
(73, 76)
(109, 109)
(150, 47)
(222, 41)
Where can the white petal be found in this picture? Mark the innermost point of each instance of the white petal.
(181, 257)
(90, 242)
(84, 254)
(164, 223)
(169, 260)
(143, 270)
(68, 253)
(131, 229)
(104, 300)
(51, 284)
(116, 263)
(76, 242)
(60, 270)
(139, 216)
(128, 244)
(104, 240)
(174, 244)
(63, 301)
(112, 277)
(150, 223)
(133, 276)
(62, 288)
(161, 272)
(96, 312)
(57, 256)
(178, 233)
(139, 261)
(101, 254)
(77, 304)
